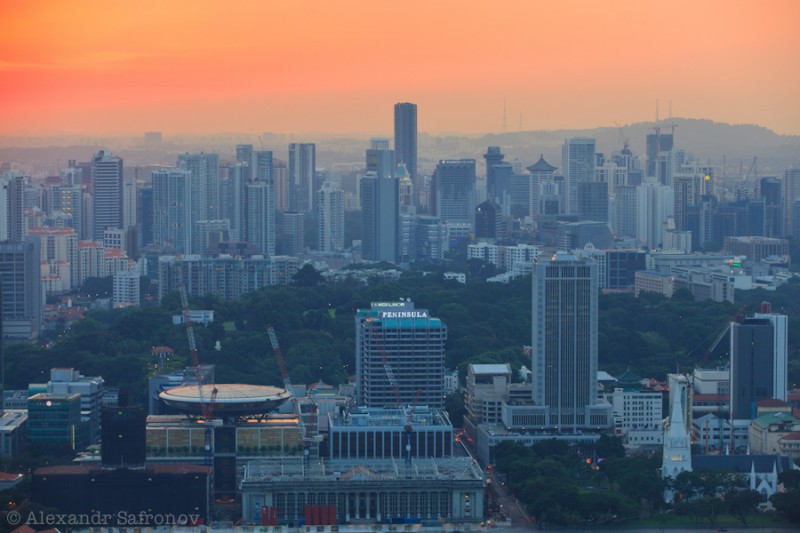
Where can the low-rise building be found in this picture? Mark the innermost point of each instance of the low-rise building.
(13, 432)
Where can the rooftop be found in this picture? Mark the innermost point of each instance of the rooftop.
(490, 369)
(294, 469)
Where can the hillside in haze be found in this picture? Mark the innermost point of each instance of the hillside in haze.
(705, 139)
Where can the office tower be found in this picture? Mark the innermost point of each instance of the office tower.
(431, 239)
(687, 187)
(405, 137)
(493, 156)
(261, 217)
(655, 204)
(68, 381)
(14, 186)
(145, 215)
(399, 356)
(128, 205)
(625, 212)
(542, 184)
(23, 302)
(380, 158)
(205, 184)
(302, 165)
(172, 217)
(758, 361)
(770, 191)
(564, 345)
(236, 208)
(592, 201)
(330, 218)
(280, 178)
(791, 195)
(700, 220)
(454, 191)
(106, 193)
(656, 143)
(380, 215)
(292, 234)
(55, 421)
(406, 187)
(489, 221)
(123, 436)
(578, 161)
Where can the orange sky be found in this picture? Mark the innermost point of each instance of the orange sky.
(205, 66)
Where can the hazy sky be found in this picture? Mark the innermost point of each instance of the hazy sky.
(339, 66)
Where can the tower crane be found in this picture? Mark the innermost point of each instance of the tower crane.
(305, 429)
(207, 408)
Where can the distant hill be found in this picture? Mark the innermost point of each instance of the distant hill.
(705, 139)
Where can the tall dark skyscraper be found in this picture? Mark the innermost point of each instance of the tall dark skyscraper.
(578, 161)
(405, 137)
(380, 211)
(493, 156)
(302, 164)
(657, 142)
(758, 361)
(564, 347)
(107, 193)
(454, 191)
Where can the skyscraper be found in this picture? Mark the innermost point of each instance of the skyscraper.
(493, 156)
(399, 356)
(261, 217)
(791, 195)
(656, 143)
(23, 302)
(564, 346)
(405, 137)
(758, 361)
(330, 218)
(302, 165)
(578, 162)
(172, 223)
(542, 184)
(106, 193)
(205, 184)
(380, 158)
(380, 212)
(454, 192)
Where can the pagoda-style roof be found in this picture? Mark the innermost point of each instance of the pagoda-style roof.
(542, 166)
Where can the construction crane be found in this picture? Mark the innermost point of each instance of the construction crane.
(725, 329)
(206, 408)
(305, 429)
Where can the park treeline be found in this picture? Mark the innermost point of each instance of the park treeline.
(487, 323)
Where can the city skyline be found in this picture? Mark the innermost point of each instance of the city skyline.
(86, 67)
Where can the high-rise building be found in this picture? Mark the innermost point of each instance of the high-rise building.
(542, 184)
(330, 218)
(145, 216)
(654, 205)
(399, 356)
(454, 192)
(405, 137)
(770, 190)
(172, 218)
(489, 221)
(302, 165)
(106, 193)
(381, 158)
(23, 302)
(205, 187)
(578, 162)
(791, 195)
(261, 216)
(758, 361)
(656, 143)
(688, 188)
(68, 200)
(292, 233)
(493, 157)
(564, 345)
(13, 207)
(592, 201)
(380, 212)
